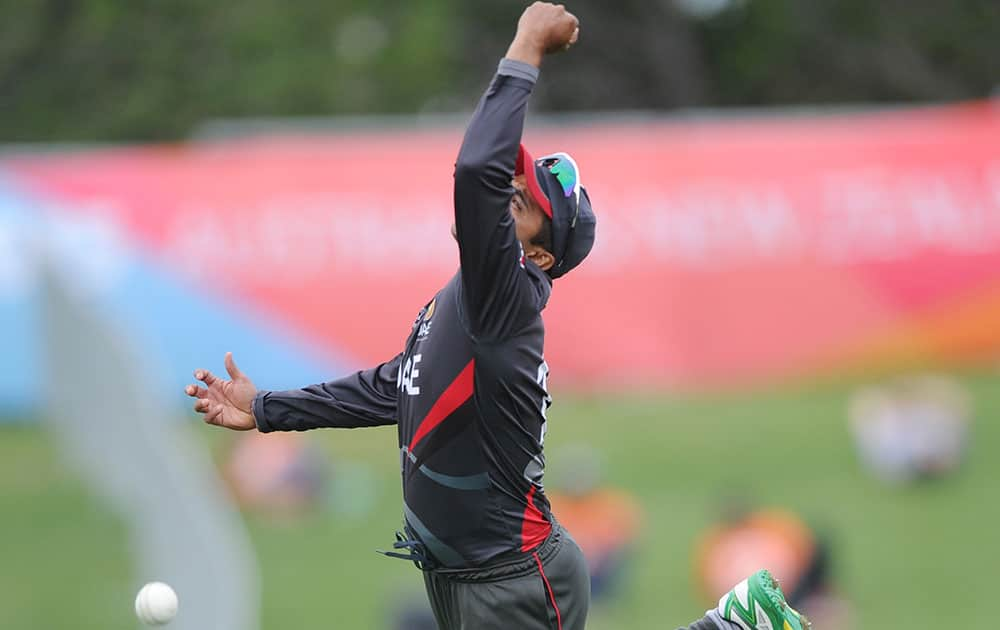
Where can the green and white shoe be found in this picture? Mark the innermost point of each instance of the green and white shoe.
(757, 603)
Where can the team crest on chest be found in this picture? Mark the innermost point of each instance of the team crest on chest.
(425, 321)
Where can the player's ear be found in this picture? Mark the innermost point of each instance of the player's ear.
(540, 256)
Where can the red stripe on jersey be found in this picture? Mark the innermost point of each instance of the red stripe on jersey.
(451, 399)
(534, 528)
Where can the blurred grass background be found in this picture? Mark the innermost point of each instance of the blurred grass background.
(918, 557)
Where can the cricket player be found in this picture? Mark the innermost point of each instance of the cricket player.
(468, 392)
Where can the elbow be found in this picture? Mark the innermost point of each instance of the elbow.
(477, 171)
(469, 169)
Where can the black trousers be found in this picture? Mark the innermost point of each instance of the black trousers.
(547, 589)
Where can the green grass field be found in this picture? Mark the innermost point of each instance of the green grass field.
(920, 558)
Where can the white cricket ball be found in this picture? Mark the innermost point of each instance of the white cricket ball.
(156, 604)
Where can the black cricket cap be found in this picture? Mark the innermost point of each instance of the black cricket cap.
(554, 183)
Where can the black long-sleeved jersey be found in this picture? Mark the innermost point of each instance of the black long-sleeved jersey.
(468, 392)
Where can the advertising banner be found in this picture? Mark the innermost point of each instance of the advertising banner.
(728, 252)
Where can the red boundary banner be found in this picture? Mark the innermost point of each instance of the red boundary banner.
(728, 251)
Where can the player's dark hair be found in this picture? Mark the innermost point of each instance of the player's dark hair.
(544, 236)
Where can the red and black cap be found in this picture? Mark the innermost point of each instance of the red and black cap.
(554, 183)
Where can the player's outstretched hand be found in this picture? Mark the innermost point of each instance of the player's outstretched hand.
(544, 28)
(224, 403)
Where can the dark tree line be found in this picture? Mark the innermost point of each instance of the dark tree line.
(154, 69)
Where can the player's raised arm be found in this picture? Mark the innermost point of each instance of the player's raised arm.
(363, 399)
(485, 229)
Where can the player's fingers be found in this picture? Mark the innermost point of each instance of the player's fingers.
(196, 392)
(205, 376)
(234, 372)
(202, 405)
(572, 39)
(214, 414)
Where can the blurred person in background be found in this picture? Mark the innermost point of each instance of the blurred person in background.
(468, 393)
(915, 427)
(797, 555)
(284, 476)
(605, 520)
(280, 478)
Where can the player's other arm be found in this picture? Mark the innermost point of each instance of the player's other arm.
(485, 166)
(363, 399)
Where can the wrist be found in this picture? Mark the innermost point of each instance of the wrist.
(524, 49)
(257, 412)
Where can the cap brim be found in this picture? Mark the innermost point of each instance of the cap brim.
(525, 165)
